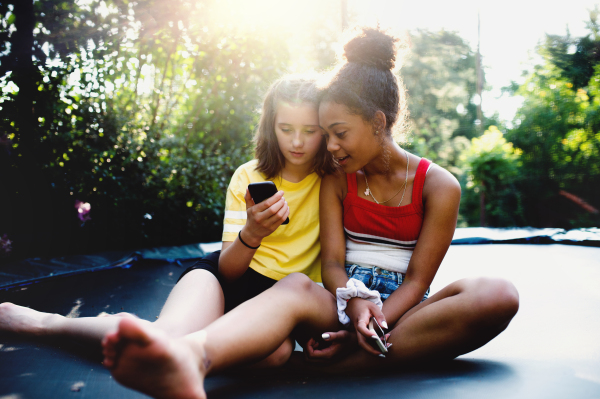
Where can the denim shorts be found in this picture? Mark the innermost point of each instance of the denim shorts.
(376, 278)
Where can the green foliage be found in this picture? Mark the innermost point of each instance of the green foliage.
(440, 77)
(557, 129)
(575, 58)
(491, 166)
(142, 109)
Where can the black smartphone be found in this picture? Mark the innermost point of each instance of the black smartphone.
(380, 342)
(263, 190)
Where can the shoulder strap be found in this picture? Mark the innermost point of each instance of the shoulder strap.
(419, 182)
(352, 185)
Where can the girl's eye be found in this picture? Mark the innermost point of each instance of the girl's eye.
(340, 134)
(310, 131)
(286, 130)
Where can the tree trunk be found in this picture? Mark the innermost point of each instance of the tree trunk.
(479, 78)
(344, 15)
(482, 205)
(24, 76)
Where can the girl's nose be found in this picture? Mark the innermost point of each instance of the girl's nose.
(297, 141)
(332, 145)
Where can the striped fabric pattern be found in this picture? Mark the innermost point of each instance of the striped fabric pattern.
(392, 227)
(291, 248)
(385, 241)
(234, 221)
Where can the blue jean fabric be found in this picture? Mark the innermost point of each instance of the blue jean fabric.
(376, 278)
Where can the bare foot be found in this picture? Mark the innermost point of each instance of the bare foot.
(142, 357)
(21, 320)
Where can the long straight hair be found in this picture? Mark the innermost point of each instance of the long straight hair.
(295, 90)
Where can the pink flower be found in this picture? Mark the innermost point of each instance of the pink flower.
(5, 245)
(5, 142)
(83, 210)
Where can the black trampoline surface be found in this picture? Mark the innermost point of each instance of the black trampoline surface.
(550, 350)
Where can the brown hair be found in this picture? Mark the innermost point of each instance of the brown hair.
(363, 80)
(292, 89)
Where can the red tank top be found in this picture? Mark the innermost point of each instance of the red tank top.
(398, 227)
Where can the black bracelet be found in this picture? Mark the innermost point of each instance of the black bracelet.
(242, 241)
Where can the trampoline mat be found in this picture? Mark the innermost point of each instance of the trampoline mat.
(550, 350)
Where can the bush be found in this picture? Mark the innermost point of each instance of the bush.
(491, 169)
(142, 110)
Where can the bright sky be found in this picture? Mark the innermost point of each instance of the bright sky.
(510, 31)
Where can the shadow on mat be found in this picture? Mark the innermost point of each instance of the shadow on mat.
(450, 379)
(66, 363)
(85, 352)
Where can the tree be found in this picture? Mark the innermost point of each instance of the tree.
(557, 130)
(440, 78)
(141, 109)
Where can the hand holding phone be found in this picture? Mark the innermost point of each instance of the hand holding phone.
(262, 191)
(379, 338)
(365, 315)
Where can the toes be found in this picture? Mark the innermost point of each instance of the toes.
(130, 330)
(110, 340)
(108, 362)
(109, 349)
(133, 330)
(110, 357)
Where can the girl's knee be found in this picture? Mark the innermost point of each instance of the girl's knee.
(280, 356)
(302, 294)
(505, 295)
(495, 299)
(297, 281)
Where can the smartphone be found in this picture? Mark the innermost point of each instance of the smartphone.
(262, 191)
(380, 341)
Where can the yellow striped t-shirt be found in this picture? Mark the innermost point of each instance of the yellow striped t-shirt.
(291, 248)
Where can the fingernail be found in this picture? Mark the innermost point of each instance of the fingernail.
(384, 324)
(382, 355)
(374, 336)
(326, 336)
(390, 345)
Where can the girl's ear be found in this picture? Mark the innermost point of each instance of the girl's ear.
(379, 122)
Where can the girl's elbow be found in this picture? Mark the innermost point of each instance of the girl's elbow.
(227, 274)
(331, 267)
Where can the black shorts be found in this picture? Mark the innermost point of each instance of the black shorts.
(249, 285)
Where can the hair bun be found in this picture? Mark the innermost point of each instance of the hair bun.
(371, 46)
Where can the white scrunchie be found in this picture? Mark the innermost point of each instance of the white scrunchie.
(354, 288)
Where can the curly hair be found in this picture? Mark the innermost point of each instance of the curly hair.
(363, 79)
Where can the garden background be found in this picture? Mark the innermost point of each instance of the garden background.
(122, 121)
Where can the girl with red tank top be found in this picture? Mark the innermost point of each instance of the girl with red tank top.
(379, 235)
(387, 220)
(380, 239)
